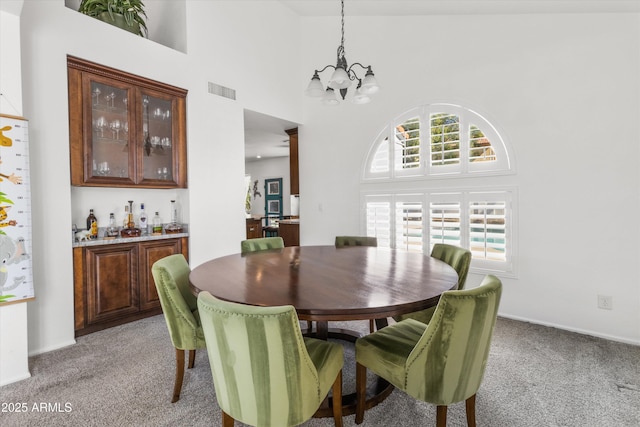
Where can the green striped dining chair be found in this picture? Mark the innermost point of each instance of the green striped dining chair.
(265, 373)
(458, 258)
(440, 363)
(343, 241)
(348, 241)
(261, 244)
(180, 309)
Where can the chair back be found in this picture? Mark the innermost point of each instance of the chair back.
(261, 244)
(342, 241)
(457, 257)
(179, 305)
(448, 362)
(262, 372)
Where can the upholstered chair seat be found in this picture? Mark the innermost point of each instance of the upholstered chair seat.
(261, 244)
(265, 373)
(180, 309)
(440, 363)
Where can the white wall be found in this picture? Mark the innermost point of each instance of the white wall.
(226, 46)
(277, 167)
(563, 89)
(13, 318)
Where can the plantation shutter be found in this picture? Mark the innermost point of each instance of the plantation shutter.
(445, 139)
(444, 223)
(480, 149)
(409, 225)
(407, 144)
(487, 230)
(378, 218)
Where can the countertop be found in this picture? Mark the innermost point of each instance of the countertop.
(114, 241)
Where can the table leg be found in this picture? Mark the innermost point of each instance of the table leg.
(322, 330)
(377, 391)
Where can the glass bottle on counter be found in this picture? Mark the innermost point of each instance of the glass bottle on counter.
(173, 226)
(157, 224)
(130, 230)
(92, 224)
(143, 220)
(125, 220)
(112, 229)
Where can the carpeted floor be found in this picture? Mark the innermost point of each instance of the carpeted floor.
(536, 376)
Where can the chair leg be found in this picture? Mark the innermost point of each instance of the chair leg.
(441, 416)
(337, 400)
(179, 375)
(361, 391)
(470, 404)
(192, 358)
(372, 325)
(227, 421)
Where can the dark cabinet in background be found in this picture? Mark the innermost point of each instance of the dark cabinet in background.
(113, 283)
(125, 130)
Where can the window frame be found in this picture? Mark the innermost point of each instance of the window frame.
(504, 163)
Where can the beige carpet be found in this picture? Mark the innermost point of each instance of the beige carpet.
(536, 376)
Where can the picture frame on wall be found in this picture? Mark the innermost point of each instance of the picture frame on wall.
(273, 187)
(274, 206)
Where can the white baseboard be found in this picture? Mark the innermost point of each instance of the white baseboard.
(15, 379)
(579, 331)
(52, 348)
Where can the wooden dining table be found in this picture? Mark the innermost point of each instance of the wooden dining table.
(325, 283)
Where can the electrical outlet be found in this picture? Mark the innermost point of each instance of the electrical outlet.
(605, 302)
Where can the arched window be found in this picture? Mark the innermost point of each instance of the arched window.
(437, 139)
(411, 201)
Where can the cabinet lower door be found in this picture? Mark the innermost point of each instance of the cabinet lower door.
(112, 282)
(150, 252)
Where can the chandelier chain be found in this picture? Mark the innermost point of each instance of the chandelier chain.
(342, 39)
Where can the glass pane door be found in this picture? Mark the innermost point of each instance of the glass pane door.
(110, 131)
(157, 139)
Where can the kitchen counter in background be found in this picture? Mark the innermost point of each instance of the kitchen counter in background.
(108, 241)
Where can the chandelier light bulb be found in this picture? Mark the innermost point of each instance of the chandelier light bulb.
(369, 83)
(315, 88)
(360, 97)
(329, 97)
(340, 79)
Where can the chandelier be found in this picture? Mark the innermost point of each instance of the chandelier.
(342, 77)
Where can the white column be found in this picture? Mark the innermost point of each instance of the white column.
(14, 350)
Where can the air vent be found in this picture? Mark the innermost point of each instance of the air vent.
(222, 91)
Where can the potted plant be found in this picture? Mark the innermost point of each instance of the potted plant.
(126, 14)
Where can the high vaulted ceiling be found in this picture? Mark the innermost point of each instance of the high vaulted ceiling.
(449, 7)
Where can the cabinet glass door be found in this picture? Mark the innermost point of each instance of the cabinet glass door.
(110, 133)
(157, 140)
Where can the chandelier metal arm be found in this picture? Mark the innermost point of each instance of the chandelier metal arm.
(327, 66)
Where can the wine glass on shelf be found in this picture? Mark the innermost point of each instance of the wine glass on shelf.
(100, 124)
(115, 126)
(111, 99)
(96, 94)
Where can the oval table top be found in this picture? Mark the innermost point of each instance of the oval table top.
(328, 283)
